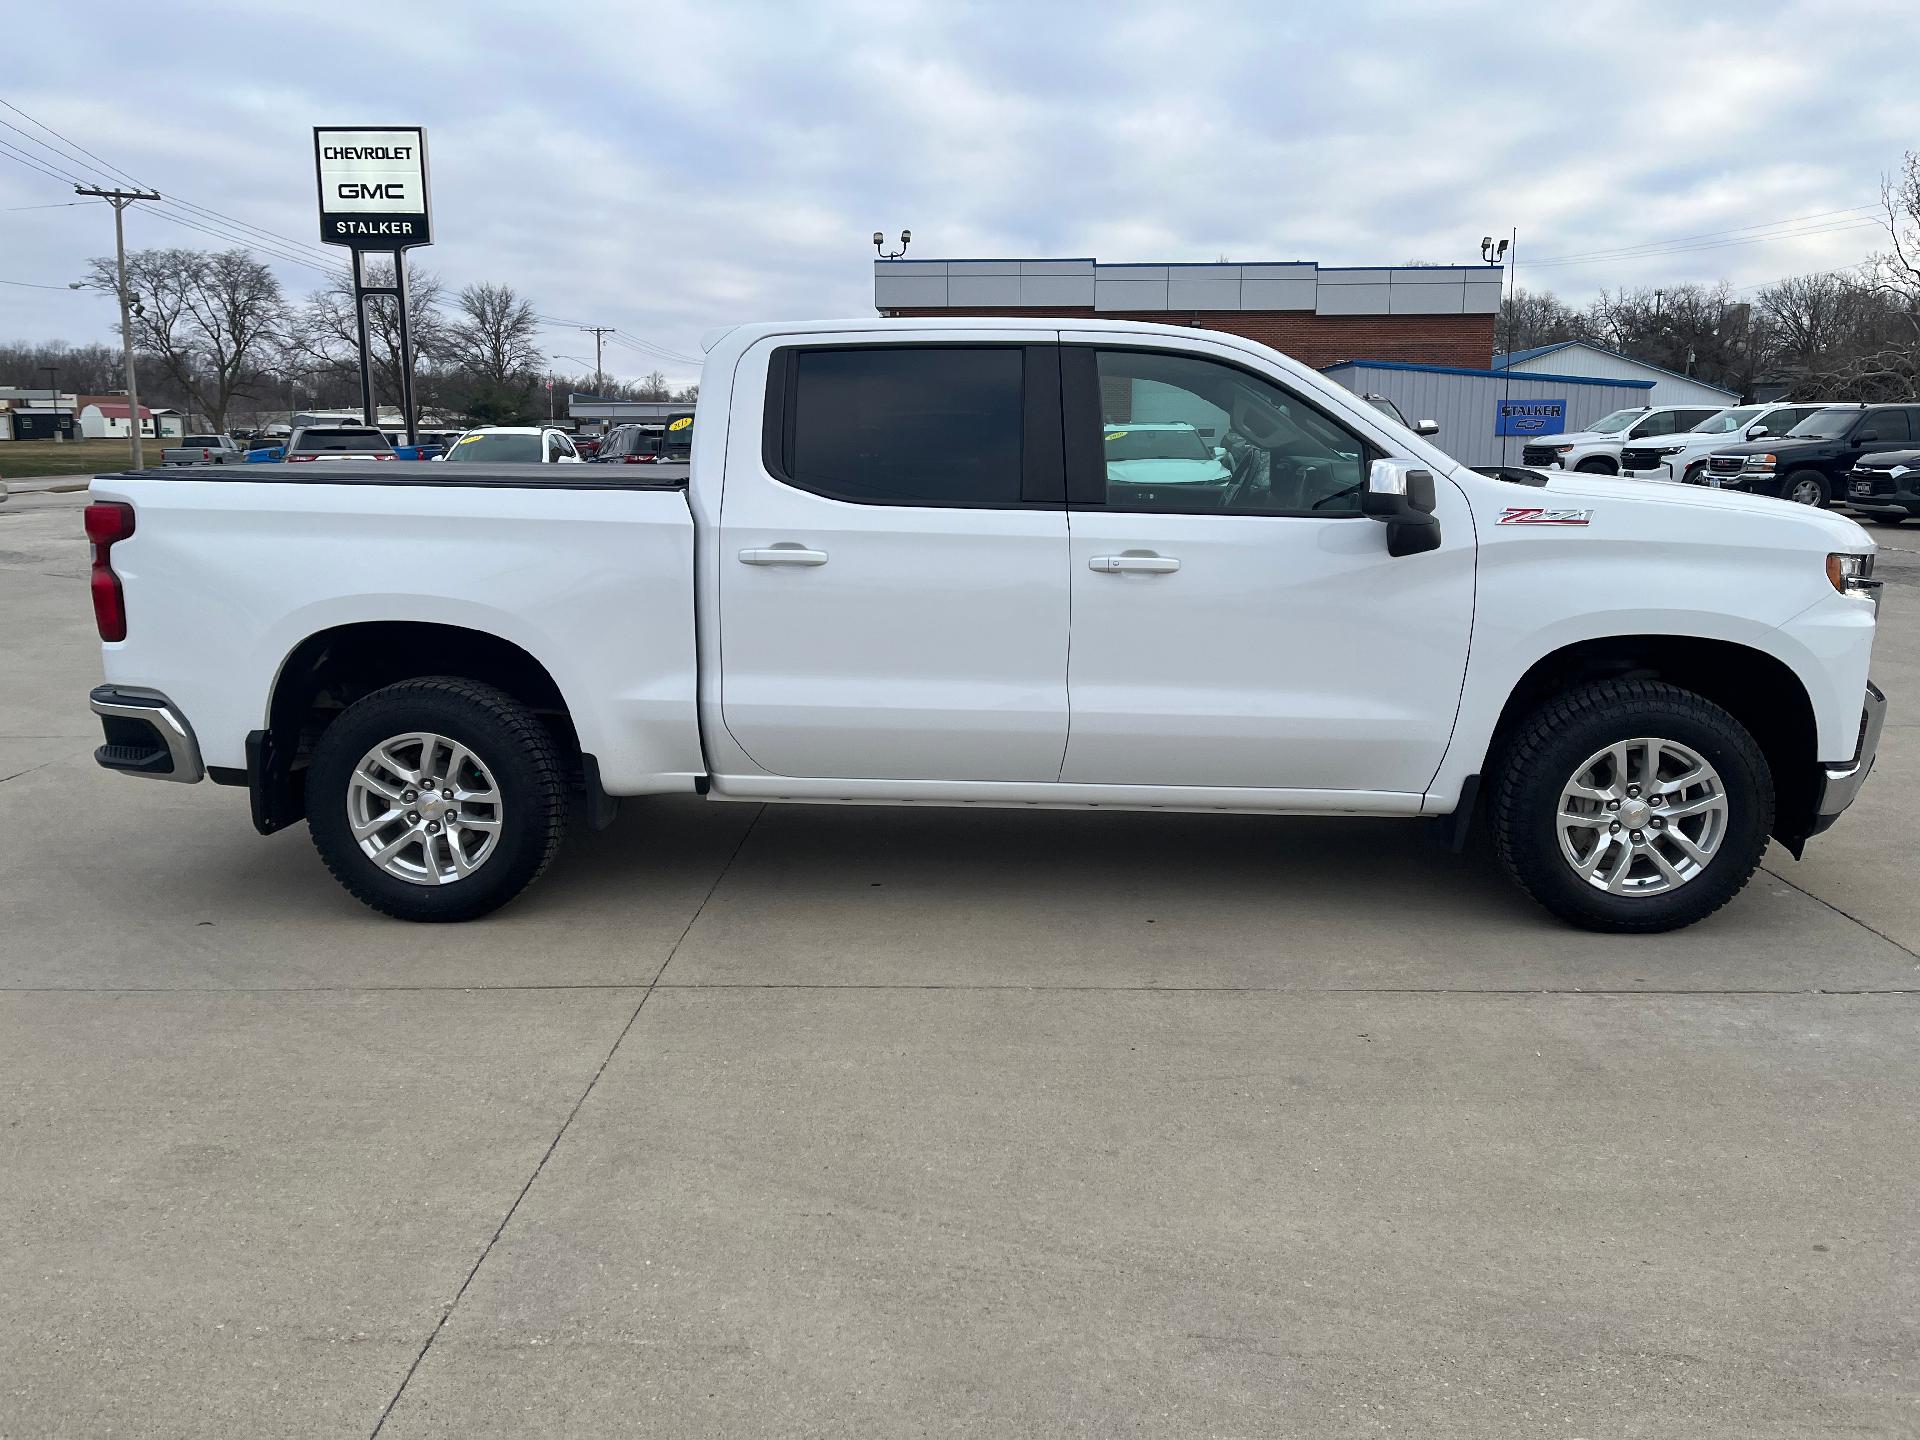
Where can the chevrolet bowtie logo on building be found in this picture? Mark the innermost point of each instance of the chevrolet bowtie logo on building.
(373, 186)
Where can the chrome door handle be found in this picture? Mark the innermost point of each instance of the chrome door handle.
(783, 555)
(1133, 564)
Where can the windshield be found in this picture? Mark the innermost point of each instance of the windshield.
(329, 440)
(1616, 422)
(494, 447)
(1727, 420)
(1828, 424)
(1179, 442)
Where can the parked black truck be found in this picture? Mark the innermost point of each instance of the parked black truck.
(1810, 463)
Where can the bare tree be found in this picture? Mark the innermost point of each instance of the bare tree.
(211, 319)
(492, 337)
(327, 340)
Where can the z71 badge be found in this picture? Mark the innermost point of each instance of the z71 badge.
(1536, 515)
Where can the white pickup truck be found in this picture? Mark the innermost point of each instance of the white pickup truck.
(901, 569)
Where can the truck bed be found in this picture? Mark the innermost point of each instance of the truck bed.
(229, 569)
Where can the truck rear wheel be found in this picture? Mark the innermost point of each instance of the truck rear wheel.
(1632, 806)
(436, 799)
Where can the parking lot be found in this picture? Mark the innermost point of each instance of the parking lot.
(844, 1121)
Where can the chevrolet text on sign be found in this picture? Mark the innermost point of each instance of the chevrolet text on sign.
(373, 186)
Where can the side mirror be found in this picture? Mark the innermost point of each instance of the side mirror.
(1866, 435)
(1401, 494)
(1427, 427)
(1754, 432)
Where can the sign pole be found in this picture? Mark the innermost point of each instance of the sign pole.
(406, 345)
(366, 353)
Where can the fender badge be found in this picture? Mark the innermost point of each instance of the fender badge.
(1536, 515)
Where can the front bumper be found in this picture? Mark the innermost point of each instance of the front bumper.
(145, 735)
(1839, 784)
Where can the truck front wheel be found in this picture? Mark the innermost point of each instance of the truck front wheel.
(1806, 487)
(1632, 806)
(436, 799)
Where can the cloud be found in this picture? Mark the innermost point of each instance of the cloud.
(669, 168)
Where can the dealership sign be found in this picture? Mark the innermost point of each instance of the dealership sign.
(373, 186)
(1529, 417)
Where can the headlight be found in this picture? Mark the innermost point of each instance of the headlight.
(1561, 449)
(1898, 470)
(1853, 575)
(1668, 449)
(1760, 462)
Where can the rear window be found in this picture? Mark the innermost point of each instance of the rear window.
(497, 449)
(906, 425)
(324, 441)
(203, 441)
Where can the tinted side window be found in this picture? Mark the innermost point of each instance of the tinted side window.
(1687, 419)
(906, 425)
(1887, 424)
(1183, 434)
(1656, 424)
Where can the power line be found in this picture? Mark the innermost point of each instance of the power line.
(29, 285)
(22, 157)
(56, 205)
(1776, 230)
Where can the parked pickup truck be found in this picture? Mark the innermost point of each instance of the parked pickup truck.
(901, 569)
(1809, 465)
(204, 450)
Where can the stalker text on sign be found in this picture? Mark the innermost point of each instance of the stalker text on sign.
(1530, 417)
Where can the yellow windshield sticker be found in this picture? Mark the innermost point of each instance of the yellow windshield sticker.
(1116, 434)
(468, 439)
(681, 423)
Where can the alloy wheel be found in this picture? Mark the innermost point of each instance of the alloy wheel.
(424, 808)
(1642, 817)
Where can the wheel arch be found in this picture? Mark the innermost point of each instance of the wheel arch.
(331, 668)
(1759, 690)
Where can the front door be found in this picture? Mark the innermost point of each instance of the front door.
(1237, 621)
(893, 570)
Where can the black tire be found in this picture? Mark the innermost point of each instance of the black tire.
(1890, 519)
(1560, 735)
(519, 751)
(1800, 477)
(1597, 465)
(1692, 473)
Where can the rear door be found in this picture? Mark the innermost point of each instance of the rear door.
(893, 585)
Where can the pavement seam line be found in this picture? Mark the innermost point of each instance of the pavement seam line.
(446, 1312)
(992, 987)
(1844, 915)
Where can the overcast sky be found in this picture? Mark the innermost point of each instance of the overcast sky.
(664, 168)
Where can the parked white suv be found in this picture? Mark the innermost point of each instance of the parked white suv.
(1684, 456)
(1596, 450)
(514, 444)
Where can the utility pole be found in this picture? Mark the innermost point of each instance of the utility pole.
(52, 372)
(599, 375)
(120, 199)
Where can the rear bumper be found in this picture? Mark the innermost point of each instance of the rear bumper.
(145, 735)
(1839, 784)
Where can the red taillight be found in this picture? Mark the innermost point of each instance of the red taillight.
(639, 459)
(206, 454)
(108, 521)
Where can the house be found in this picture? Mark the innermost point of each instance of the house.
(104, 417)
(1581, 357)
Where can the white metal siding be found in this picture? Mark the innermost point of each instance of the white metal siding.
(1464, 404)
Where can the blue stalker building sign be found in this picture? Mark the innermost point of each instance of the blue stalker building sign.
(1530, 417)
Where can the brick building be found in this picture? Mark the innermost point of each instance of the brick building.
(1431, 315)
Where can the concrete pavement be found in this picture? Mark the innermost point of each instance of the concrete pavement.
(874, 1122)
